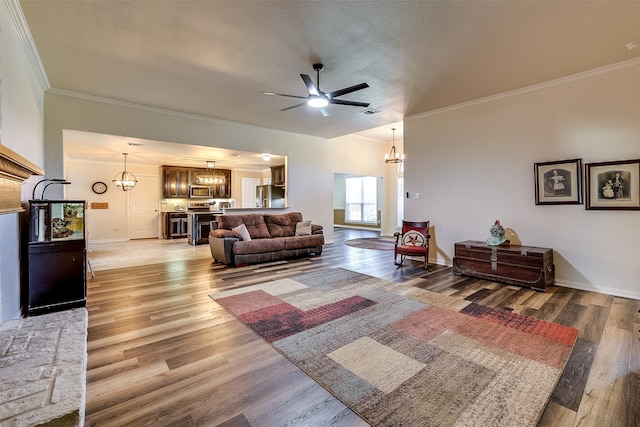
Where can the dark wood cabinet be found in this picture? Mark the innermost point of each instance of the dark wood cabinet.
(199, 226)
(527, 266)
(175, 181)
(174, 225)
(278, 175)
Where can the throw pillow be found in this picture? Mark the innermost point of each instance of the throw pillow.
(413, 238)
(242, 232)
(303, 228)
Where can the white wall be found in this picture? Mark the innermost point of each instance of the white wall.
(21, 121)
(474, 164)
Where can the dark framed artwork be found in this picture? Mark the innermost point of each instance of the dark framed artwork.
(613, 185)
(559, 182)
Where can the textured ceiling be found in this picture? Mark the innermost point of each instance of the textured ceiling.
(213, 58)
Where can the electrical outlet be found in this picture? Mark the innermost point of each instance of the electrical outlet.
(416, 195)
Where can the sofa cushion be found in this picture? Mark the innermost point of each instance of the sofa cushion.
(303, 242)
(257, 246)
(254, 222)
(282, 225)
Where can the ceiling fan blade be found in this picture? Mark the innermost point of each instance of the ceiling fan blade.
(346, 90)
(324, 111)
(294, 106)
(352, 103)
(309, 84)
(283, 94)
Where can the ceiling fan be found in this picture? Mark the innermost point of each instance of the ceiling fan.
(320, 99)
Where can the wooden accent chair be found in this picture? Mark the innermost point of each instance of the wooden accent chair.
(413, 241)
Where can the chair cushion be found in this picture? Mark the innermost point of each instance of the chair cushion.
(411, 250)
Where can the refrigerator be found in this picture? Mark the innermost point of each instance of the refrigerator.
(269, 196)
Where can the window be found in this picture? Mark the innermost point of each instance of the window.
(362, 203)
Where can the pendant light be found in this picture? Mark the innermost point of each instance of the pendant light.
(210, 177)
(393, 156)
(124, 180)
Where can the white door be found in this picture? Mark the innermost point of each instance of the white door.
(143, 208)
(249, 192)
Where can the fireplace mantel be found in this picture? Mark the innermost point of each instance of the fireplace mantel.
(14, 170)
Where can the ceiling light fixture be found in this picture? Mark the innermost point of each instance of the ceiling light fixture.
(393, 156)
(317, 101)
(210, 177)
(125, 181)
(266, 157)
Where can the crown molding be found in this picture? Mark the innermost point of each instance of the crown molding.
(159, 110)
(551, 83)
(26, 41)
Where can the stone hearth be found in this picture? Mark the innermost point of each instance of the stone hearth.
(43, 369)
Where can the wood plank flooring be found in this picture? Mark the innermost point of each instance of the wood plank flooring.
(162, 353)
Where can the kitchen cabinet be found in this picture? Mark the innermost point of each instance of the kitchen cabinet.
(174, 225)
(175, 181)
(277, 175)
(199, 226)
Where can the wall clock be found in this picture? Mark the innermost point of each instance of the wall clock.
(99, 187)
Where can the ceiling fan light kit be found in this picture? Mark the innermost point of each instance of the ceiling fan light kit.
(317, 102)
(319, 99)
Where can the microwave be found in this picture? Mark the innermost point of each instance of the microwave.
(200, 192)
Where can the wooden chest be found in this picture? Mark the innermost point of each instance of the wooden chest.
(518, 265)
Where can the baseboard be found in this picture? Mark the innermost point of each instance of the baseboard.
(623, 293)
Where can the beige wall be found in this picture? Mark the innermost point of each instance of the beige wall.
(474, 164)
(311, 162)
(109, 224)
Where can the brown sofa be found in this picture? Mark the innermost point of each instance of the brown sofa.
(272, 238)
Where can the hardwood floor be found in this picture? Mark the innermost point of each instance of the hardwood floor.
(162, 353)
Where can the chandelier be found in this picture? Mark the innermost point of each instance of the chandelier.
(124, 180)
(209, 177)
(393, 156)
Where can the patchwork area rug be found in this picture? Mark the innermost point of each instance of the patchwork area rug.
(403, 356)
(377, 243)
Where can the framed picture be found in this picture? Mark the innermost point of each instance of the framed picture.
(559, 182)
(613, 185)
